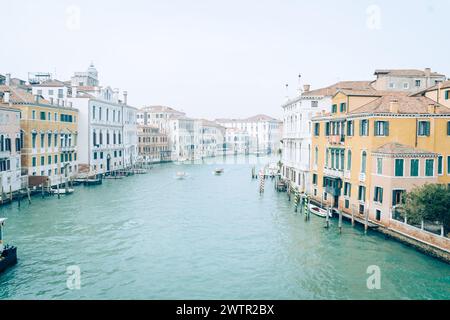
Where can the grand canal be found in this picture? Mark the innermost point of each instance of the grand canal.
(207, 237)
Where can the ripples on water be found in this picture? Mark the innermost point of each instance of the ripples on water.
(207, 237)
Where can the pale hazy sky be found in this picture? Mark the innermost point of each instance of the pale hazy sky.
(227, 58)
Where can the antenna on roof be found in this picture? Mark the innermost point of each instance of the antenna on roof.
(287, 91)
(299, 84)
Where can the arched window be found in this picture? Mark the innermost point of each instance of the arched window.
(327, 156)
(349, 160)
(363, 162)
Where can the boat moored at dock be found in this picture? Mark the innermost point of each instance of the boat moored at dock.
(8, 254)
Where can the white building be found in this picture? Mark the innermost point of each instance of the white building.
(237, 141)
(264, 132)
(107, 131)
(182, 138)
(158, 116)
(10, 146)
(209, 139)
(297, 114)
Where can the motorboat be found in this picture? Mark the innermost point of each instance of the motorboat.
(8, 254)
(319, 211)
(62, 191)
(218, 171)
(180, 175)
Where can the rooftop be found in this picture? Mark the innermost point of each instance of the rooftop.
(398, 148)
(406, 73)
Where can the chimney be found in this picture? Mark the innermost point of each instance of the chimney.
(394, 106)
(427, 72)
(306, 87)
(51, 100)
(74, 92)
(125, 97)
(36, 98)
(8, 79)
(432, 108)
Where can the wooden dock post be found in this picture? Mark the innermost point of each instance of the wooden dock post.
(29, 195)
(340, 221)
(42, 190)
(353, 215)
(1, 196)
(327, 218)
(10, 193)
(366, 220)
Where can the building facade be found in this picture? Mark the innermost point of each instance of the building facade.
(264, 132)
(49, 135)
(375, 146)
(209, 139)
(237, 141)
(153, 145)
(10, 148)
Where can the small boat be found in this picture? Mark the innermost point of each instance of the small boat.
(218, 171)
(180, 175)
(319, 211)
(92, 181)
(8, 254)
(62, 191)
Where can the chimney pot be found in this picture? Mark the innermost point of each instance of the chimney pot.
(394, 106)
(432, 108)
(8, 79)
(427, 72)
(6, 97)
(36, 98)
(306, 87)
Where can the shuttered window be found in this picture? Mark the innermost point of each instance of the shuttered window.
(414, 167)
(399, 167)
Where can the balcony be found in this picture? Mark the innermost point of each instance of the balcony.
(67, 148)
(5, 154)
(336, 140)
(333, 173)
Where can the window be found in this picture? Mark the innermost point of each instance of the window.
(33, 161)
(334, 108)
(327, 129)
(447, 95)
(448, 128)
(33, 114)
(363, 162)
(362, 193)
(392, 85)
(347, 189)
(381, 128)
(448, 164)
(417, 83)
(414, 170)
(346, 203)
(342, 159)
(93, 112)
(316, 156)
(314, 179)
(397, 197)
(314, 104)
(343, 107)
(399, 163)
(429, 167)
(349, 160)
(364, 127)
(350, 129)
(405, 85)
(440, 166)
(42, 160)
(316, 129)
(49, 160)
(378, 215)
(424, 128)
(378, 195)
(60, 93)
(56, 159)
(379, 165)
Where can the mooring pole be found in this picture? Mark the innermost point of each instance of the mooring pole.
(340, 221)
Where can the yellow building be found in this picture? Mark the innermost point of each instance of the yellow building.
(373, 147)
(49, 135)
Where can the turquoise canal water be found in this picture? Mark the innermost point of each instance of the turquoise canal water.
(207, 237)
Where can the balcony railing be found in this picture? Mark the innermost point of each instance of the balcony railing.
(333, 173)
(336, 139)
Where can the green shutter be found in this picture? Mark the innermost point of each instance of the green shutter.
(440, 168)
(447, 94)
(429, 163)
(427, 129)
(386, 128)
(375, 123)
(414, 167)
(399, 167)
